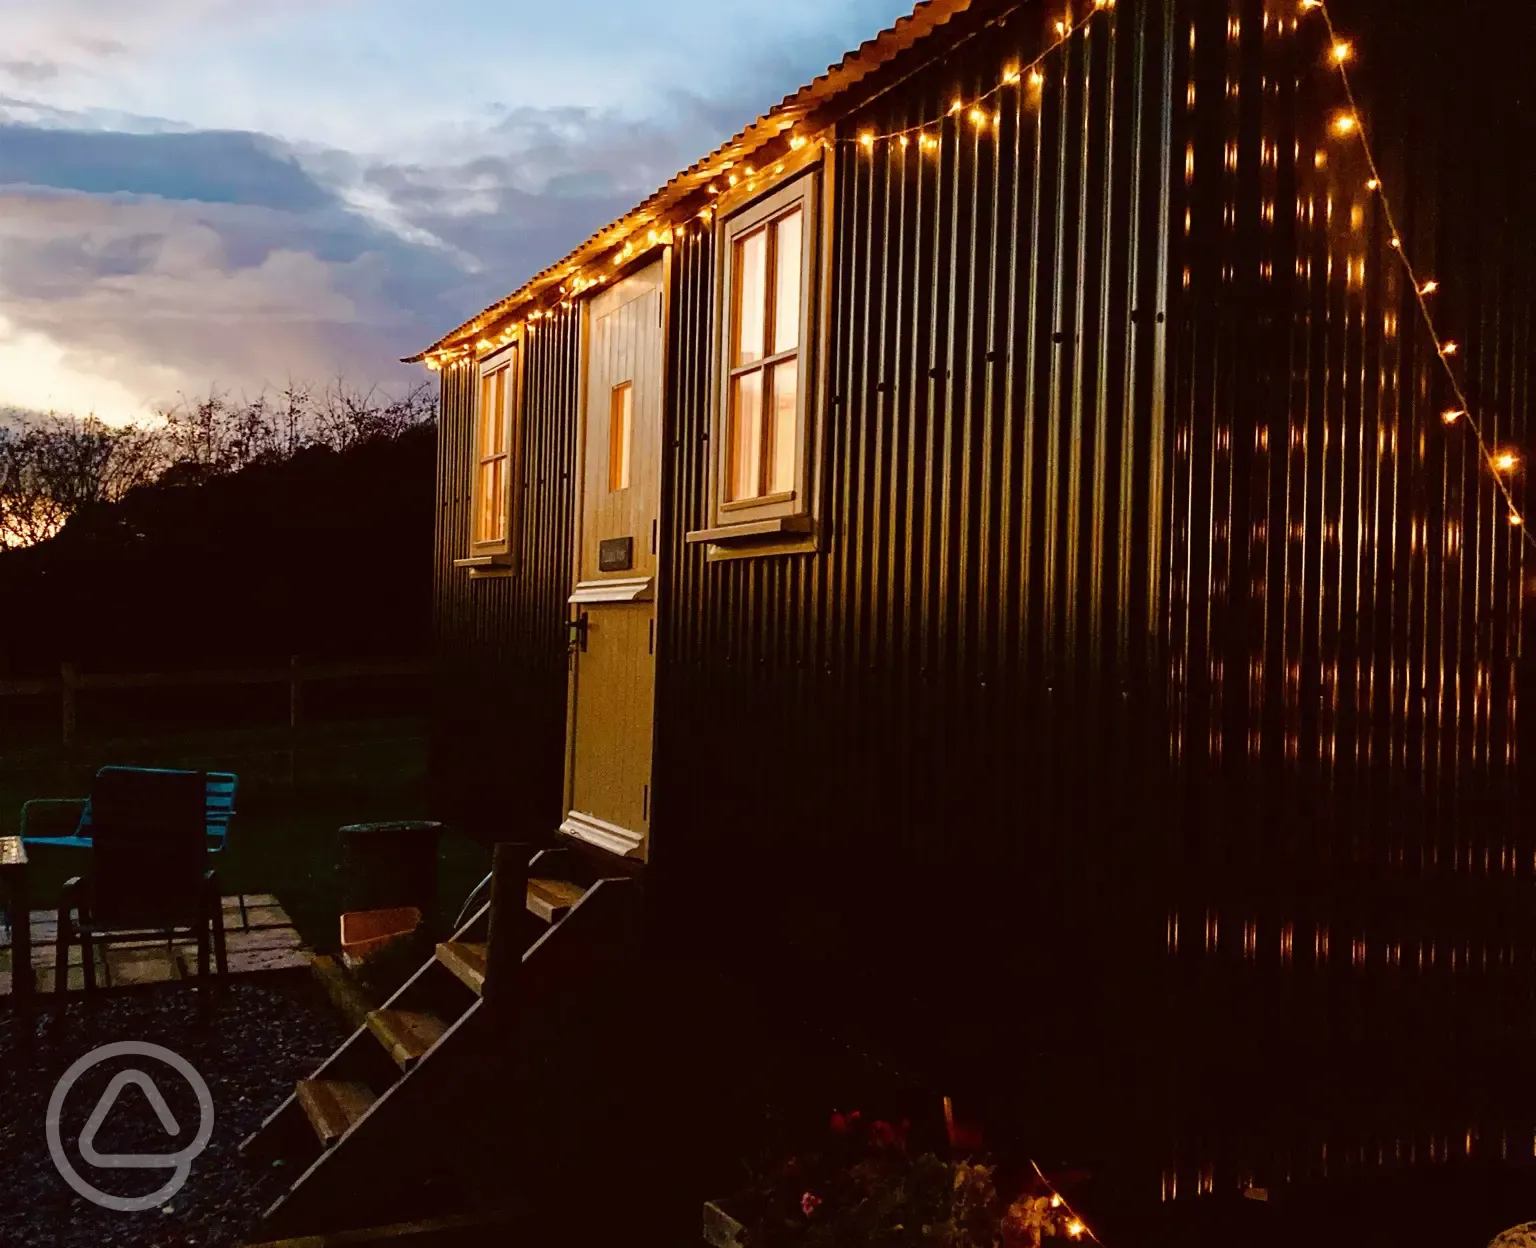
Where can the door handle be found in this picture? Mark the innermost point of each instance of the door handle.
(577, 632)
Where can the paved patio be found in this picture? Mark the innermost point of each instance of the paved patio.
(270, 944)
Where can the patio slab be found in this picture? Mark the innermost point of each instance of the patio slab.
(269, 944)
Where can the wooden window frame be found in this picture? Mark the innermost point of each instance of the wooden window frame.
(493, 556)
(783, 522)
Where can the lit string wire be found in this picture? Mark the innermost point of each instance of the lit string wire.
(1339, 53)
(1071, 1212)
(1066, 28)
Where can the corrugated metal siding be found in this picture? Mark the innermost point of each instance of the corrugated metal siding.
(1345, 604)
(500, 726)
(923, 744)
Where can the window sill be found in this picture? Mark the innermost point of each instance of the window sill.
(486, 565)
(751, 529)
(782, 535)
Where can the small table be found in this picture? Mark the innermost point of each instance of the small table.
(13, 874)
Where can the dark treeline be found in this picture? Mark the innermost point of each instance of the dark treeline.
(228, 535)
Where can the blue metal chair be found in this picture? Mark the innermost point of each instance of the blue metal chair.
(74, 813)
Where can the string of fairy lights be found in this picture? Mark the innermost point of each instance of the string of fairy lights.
(1028, 74)
(982, 113)
(1501, 461)
(1076, 1228)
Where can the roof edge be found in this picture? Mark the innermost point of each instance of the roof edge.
(872, 55)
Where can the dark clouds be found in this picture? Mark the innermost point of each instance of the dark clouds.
(211, 167)
(171, 261)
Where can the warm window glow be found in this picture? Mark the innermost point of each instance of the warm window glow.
(621, 428)
(493, 457)
(768, 268)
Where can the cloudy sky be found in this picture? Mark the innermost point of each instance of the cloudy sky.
(227, 192)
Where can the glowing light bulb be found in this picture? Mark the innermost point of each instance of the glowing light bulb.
(1515, 520)
(1011, 75)
(1055, 1201)
(902, 140)
(1373, 185)
(1346, 123)
(978, 117)
(797, 142)
(1452, 416)
(1036, 78)
(1061, 28)
(1429, 287)
(1504, 461)
(868, 140)
(955, 107)
(1395, 243)
(1341, 52)
(1449, 348)
(1075, 1228)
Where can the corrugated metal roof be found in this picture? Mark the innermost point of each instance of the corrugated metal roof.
(869, 56)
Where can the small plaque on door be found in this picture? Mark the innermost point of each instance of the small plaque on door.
(617, 554)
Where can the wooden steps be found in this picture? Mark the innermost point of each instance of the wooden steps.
(428, 1067)
(551, 899)
(406, 1034)
(466, 959)
(332, 1106)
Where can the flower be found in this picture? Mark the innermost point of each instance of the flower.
(809, 1203)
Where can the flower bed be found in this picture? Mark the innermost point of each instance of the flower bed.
(865, 1184)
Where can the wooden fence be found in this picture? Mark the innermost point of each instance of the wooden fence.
(72, 682)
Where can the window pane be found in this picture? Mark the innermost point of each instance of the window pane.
(487, 415)
(621, 419)
(746, 436)
(781, 464)
(498, 416)
(751, 296)
(488, 525)
(786, 298)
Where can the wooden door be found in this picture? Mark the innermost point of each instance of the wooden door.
(613, 602)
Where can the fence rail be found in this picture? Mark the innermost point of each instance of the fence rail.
(71, 682)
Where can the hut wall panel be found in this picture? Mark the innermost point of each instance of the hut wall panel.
(1345, 605)
(927, 741)
(499, 729)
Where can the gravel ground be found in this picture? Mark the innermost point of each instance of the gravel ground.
(250, 1045)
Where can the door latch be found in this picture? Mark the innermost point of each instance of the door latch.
(577, 628)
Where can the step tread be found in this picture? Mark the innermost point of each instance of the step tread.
(550, 899)
(466, 959)
(406, 1034)
(332, 1106)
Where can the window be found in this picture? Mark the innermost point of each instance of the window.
(495, 461)
(768, 281)
(763, 421)
(621, 429)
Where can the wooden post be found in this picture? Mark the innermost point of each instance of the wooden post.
(295, 714)
(68, 682)
(504, 947)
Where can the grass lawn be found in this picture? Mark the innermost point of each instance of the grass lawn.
(284, 837)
